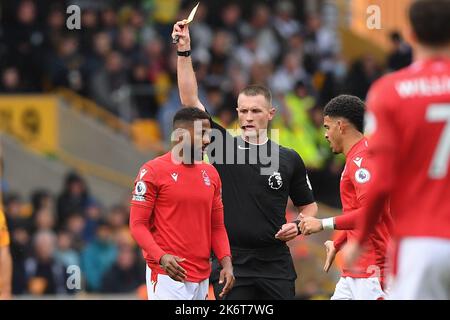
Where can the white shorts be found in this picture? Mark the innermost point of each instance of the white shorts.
(423, 270)
(358, 289)
(167, 289)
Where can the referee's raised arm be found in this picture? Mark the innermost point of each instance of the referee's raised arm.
(187, 83)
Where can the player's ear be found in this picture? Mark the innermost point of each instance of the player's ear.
(341, 126)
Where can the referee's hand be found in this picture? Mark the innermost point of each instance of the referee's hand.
(181, 30)
(288, 232)
(170, 265)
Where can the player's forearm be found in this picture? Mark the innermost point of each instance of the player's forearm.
(219, 238)
(349, 220)
(139, 230)
(226, 262)
(5, 272)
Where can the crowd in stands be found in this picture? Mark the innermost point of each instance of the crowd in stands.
(51, 235)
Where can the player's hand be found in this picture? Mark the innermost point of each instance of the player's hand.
(226, 275)
(350, 253)
(5, 296)
(288, 232)
(331, 254)
(310, 225)
(181, 29)
(170, 264)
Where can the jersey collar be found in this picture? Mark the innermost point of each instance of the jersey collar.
(361, 144)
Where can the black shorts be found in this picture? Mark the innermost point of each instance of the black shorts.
(263, 273)
(258, 289)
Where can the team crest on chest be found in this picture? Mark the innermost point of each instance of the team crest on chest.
(206, 179)
(275, 181)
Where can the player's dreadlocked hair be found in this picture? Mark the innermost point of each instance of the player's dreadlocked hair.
(189, 114)
(349, 107)
(430, 20)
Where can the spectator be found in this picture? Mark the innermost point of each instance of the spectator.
(361, 76)
(65, 254)
(401, 54)
(44, 275)
(24, 39)
(93, 217)
(75, 226)
(144, 98)
(41, 199)
(125, 275)
(102, 46)
(231, 22)
(98, 257)
(288, 74)
(44, 220)
(109, 84)
(74, 198)
(66, 66)
(127, 46)
(284, 22)
(11, 82)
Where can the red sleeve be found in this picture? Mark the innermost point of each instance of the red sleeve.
(340, 240)
(361, 171)
(219, 238)
(382, 148)
(142, 204)
(349, 220)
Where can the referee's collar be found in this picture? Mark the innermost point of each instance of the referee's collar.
(254, 144)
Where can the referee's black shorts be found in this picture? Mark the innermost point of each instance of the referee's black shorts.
(261, 274)
(258, 289)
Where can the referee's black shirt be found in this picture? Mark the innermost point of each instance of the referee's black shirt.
(256, 183)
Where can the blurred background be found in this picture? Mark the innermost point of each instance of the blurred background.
(81, 110)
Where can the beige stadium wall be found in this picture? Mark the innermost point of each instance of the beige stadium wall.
(394, 16)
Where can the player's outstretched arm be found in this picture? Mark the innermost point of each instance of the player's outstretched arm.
(187, 83)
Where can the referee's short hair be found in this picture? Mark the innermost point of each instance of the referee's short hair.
(189, 114)
(256, 90)
(430, 20)
(348, 107)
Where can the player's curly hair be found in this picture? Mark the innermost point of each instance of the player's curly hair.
(348, 107)
(190, 114)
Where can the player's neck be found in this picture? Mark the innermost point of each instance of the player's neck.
(351, 141)
(425, 53)
(180, 157)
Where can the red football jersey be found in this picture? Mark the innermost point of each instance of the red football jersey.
(354, 187)
(183, 215)
(409, 114)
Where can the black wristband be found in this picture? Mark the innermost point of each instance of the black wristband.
(297, 222)
(184, 53)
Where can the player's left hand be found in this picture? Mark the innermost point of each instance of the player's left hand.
(331, 254)
(350, 253)
(226, 275)
(288, 232)
(310, 225)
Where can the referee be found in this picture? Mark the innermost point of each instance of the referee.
(257, 177)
